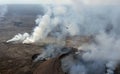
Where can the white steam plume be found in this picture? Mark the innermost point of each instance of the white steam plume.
(40, 29)
(3, 11)
(18, 38)
(45, 25)
(61, 21)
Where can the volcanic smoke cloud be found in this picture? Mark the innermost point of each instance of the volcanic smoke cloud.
(82, 18)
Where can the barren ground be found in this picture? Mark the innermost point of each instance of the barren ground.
(16, 58)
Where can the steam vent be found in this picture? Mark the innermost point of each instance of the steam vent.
(60, 37)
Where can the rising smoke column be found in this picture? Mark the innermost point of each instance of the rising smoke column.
(53, 23)
(3, 11)
(43, 27)
(61, 21)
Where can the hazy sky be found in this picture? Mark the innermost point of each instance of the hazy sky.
(95, 2)
(89, 2)
(34, 1)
